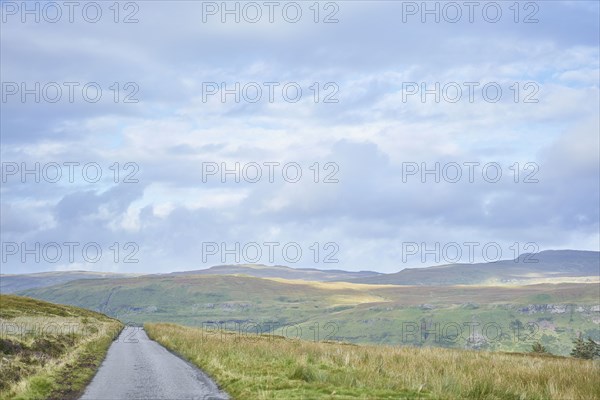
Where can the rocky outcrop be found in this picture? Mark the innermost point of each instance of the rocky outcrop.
(558, 308)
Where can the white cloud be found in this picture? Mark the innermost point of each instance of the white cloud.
(369, 133)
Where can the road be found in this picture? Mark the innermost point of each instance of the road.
(139, 368)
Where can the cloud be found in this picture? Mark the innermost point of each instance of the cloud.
(364, 140)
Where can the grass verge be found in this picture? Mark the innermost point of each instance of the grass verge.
(272, 367)
(50, 351)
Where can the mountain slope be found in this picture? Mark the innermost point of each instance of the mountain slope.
(16, 282)
(361, 313)
(551, 264)
(280, 271)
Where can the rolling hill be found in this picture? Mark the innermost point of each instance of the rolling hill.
(281, 271)
(358, 313)
(559, 294)
(12, 283)
(551, 265)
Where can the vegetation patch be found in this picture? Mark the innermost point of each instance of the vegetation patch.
(50, 351)
(267, 367)
(358, 313)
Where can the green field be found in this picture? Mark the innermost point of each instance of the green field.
(508, 318)
(50, 351)
(272, 367)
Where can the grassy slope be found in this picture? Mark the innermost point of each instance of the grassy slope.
(50, 351)
(13, 283)
(363, 313)
(281, 271)
(550, 264)
(277, 368)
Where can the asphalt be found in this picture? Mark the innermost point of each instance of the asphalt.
(139, 368)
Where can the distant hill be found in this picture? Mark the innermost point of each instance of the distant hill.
(15, 283)
(185, 298)
(352, 312)
(232, 296)
(280, 271)
(551, 265)
(19, 282)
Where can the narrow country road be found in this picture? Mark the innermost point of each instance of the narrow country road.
(139, 368)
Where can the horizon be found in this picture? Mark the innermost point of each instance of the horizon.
(299, 268)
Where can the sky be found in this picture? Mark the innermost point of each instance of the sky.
(157, 136)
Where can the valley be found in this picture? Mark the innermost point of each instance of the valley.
(503, 317)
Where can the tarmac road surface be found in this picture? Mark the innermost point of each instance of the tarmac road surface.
(139, 368)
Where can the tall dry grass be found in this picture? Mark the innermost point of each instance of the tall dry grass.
(278, 368)
(49, 350)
